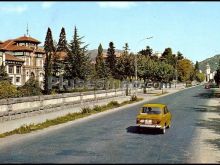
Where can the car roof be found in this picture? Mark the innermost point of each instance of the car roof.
(154, 105)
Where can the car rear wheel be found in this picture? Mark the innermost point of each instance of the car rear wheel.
(169, 125)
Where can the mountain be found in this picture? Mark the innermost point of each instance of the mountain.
(213, 63)
(93, 53)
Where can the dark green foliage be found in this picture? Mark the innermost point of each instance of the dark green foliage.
(217, 75)
(113, 104)
(125, 65)
(111, 58)
(146, 52)
(77, 63)
(62, 44)
(30, 88)
(3, 73)
(170, 58)
(86, 110)
(49, 51)
(102, 71)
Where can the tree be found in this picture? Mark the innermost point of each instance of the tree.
(185, 70)
(169, 57)
(200, 77)
(179, 56)
(62, 46)
(49, 51)
(100, 65)
(62, 43)
(125, 64)
(30, 88)
(197, 66)
(3, 73)
(77, 60)
(111, 59)
(146, 52)
(217, 75)
(8, 90)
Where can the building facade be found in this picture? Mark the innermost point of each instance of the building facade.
(26, 55)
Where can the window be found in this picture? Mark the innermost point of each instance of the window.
(18, 69)
(165, 110)
(11, 69)
(18, 79)
(151, 110)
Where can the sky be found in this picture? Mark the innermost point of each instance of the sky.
(191, 27)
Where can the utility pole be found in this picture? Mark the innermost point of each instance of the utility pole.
(147, 38)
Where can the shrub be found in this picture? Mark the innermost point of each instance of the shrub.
(133, 98)
(97, 108)
(86, 110)
(113, 104)
(7, 90)
(30, 88)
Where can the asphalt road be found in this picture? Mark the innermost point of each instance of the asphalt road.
(113, 138)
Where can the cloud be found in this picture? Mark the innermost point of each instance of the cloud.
(13, 9)
(116, 4)
(46, 5)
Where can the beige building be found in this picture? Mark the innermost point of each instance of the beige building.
(23, 50)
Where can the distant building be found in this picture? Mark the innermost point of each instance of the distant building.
(209, 75)
(158, 54)
(23, 53)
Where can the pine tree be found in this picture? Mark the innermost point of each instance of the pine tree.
(146, 52)
(77, 60)
(100, 65)
(197, 66)
(62, 43)
(58, 65)
(111, 59)
(49, 51)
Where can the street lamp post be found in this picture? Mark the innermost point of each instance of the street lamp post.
(136, 64)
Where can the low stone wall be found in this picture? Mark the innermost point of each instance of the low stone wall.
(19, 107)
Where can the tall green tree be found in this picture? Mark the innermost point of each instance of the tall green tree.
(102, 70)
(125, 64)
(197, 66)
(217, 75)
(77, 60)
(146, 52)
(111, 59)
(185, 70)
(62, 43)
(61, 46)
(49, 51)
(179, 55)
(169, 57)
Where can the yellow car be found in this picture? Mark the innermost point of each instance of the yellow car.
(154, 116)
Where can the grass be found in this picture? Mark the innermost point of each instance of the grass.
(159, 94)
(86, 111)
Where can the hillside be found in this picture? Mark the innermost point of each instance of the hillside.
(213, 62)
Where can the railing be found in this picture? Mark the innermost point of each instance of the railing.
(20, 107)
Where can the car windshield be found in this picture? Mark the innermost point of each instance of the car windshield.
(151, 110)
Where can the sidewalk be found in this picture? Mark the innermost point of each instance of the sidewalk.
(39, 118)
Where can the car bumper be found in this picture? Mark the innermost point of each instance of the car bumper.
(149, 126)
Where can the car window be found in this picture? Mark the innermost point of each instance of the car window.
(151, 110)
